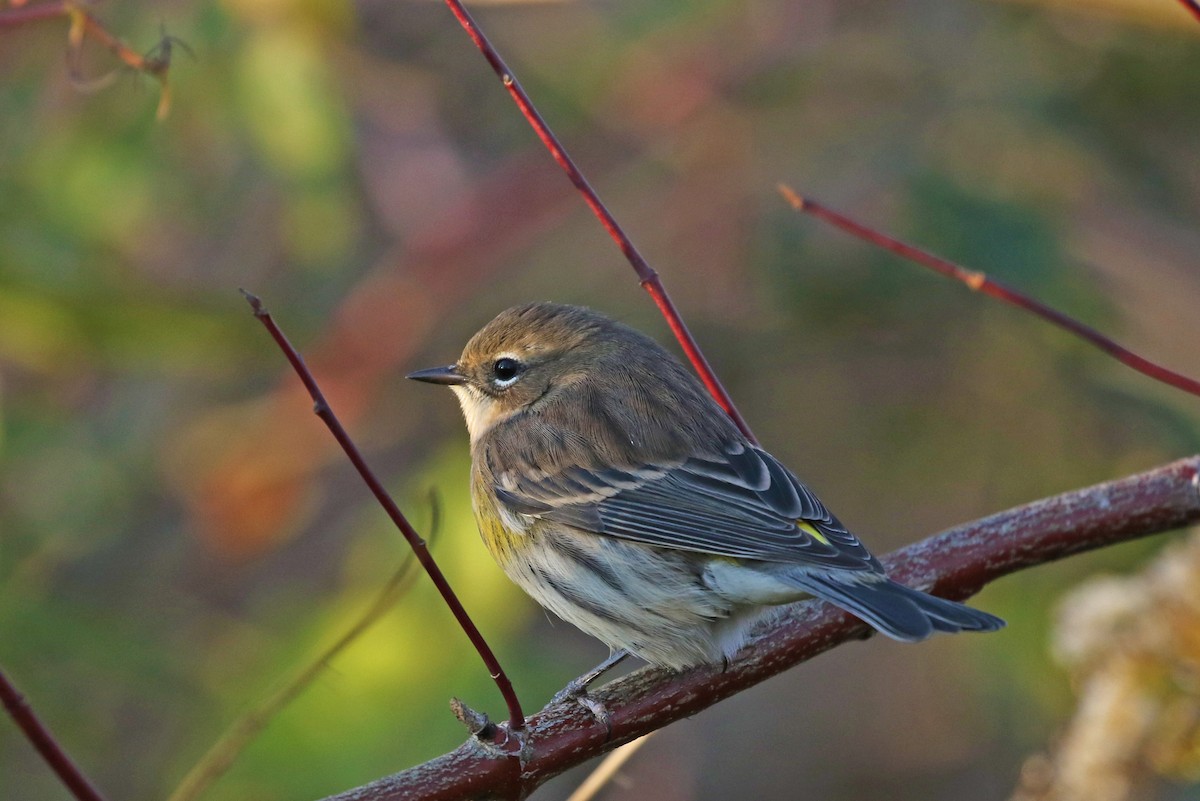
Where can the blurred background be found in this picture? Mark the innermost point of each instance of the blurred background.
(178, 532)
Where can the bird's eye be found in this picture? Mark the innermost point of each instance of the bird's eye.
(505, 371)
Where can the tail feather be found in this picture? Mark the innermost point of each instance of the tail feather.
(900, 612)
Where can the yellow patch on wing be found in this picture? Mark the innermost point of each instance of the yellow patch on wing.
(811, 530)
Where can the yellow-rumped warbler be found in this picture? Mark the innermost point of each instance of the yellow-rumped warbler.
(616, 492)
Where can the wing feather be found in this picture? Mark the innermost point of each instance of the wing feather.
(741, 504)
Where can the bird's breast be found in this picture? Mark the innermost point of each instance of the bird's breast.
(505, 533)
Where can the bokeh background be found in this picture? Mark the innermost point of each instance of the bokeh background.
(177, 532)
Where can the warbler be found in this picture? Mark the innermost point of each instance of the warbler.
(610, 486)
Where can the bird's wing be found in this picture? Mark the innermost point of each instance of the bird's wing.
(741, 504)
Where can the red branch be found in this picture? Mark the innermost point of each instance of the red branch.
(954, 564)
(41, 738)
(1193, 7)
(981, 283)
(504, 742)
(648, 278)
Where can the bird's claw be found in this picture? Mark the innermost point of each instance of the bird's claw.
(598, 709)
(576, 691)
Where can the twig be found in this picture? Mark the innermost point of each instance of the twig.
(41, 739)
(217, 760)
(1193, 7)
(516, 721)
(83, 23)
(154, 64)
(647, 276)
(980, 282)
(954, 564)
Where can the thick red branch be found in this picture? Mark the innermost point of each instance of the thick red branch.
(954, 564)
(1193, 7)
(648, 278)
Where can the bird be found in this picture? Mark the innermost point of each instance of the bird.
(610, 486)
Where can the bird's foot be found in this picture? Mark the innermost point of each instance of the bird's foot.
(576, 690)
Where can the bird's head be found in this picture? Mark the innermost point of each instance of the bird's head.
(520, 357)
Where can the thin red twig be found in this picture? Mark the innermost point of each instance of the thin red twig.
(1193, 7)
(322, 409)
(954, 564)
(647, 276)
(980, 282)
(41, 739)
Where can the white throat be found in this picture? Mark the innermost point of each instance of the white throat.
(479, 410)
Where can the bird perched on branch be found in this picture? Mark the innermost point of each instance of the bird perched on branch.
(611, 487)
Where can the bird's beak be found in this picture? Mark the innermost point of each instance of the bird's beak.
(447, 375)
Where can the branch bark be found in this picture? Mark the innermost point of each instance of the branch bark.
(954, 564)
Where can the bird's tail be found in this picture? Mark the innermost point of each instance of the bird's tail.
(900, 612)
